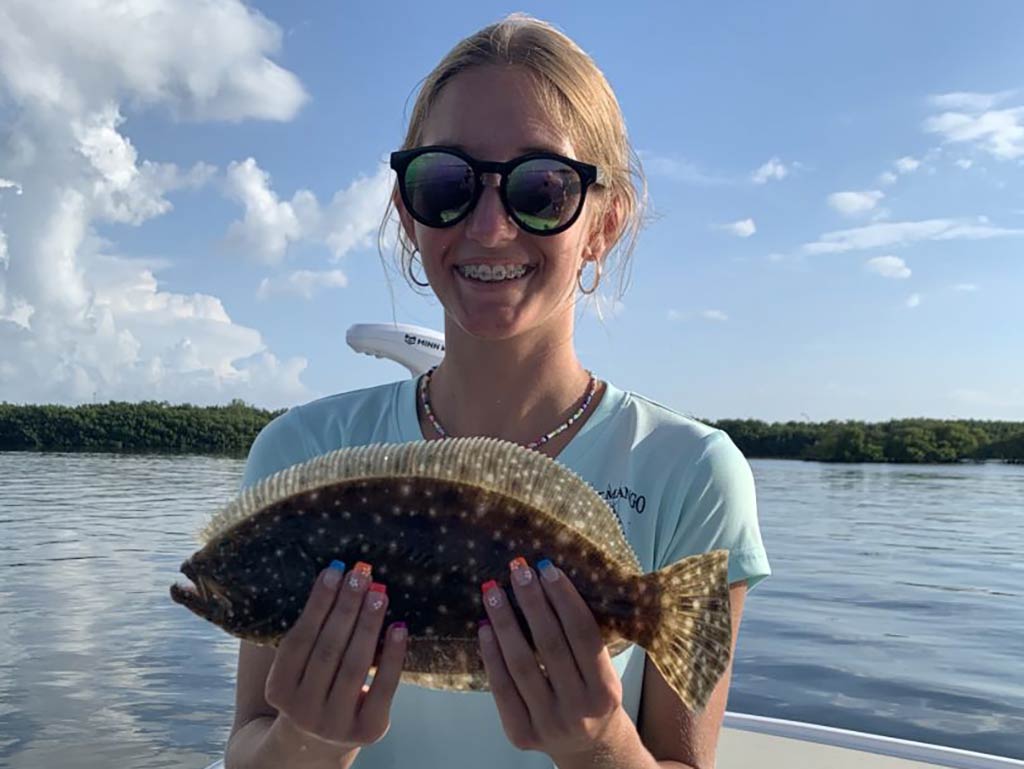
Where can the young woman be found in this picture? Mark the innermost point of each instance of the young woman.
(515, 188)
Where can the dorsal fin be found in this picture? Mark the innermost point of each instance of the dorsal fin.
(490, 463)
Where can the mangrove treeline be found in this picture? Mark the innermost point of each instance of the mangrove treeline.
(161, 427)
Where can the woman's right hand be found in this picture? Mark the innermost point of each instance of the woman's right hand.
(317, 677)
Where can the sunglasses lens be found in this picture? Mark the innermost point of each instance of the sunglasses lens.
(439, 187)
(544, 193)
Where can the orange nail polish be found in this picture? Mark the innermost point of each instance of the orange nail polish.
(517, 563)
(363, 568)
(377, 587)
(488, 585)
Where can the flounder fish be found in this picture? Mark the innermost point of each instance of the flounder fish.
(436, 519)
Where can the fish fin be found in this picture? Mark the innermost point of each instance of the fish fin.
(692, 644)
(506, 468)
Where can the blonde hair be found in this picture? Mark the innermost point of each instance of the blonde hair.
(578, 96)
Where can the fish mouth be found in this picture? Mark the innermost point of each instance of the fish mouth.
(204, 597)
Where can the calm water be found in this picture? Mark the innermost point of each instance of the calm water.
(896, 607)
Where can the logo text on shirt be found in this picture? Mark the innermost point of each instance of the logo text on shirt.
(636, 501)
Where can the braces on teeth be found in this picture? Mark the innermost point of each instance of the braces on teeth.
(497, 272)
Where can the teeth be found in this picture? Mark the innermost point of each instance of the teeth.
(486, 272)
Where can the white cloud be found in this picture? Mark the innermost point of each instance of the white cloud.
(972, 119)
(302, 283)
(965, 163)
(712, 315)
(854, 203)
(885, 234)
(79, 321)
(965, 287)
(773, 169)
(972, 102)
(200, 59)
(907, 164)
(7, 184)
(270, 225)
(743, 228)
(887, 177)
(888, 267)
(914, 300)
(679, 169)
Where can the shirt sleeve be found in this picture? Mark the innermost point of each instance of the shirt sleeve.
(280, 444)
(718, 510)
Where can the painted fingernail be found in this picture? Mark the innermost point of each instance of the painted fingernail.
(547, 570)
(492, 593)
(398, 631)
(376, 594)
(521, 572)
(333, 575)
(360, 575)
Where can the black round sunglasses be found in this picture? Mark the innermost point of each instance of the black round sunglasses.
(543, 192)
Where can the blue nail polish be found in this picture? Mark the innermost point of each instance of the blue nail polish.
(339, 565)
(543, 564)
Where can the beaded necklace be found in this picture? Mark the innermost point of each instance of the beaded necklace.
(425, 400)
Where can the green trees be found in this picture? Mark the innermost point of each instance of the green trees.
(902, 440)
(146, 426)
(153, 426)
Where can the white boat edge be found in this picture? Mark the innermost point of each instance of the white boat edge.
(861, 742)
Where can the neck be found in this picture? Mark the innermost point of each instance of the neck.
(516, 389)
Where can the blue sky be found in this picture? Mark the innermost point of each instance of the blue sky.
(189, 201)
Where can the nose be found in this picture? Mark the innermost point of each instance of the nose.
(489, 223)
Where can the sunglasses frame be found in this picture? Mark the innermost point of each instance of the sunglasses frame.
(589, 175)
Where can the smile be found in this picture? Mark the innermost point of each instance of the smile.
(483, 273)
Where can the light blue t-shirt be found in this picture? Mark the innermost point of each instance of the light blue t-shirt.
(679, 487)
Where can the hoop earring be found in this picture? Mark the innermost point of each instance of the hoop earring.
(597, 277)
(412, 258)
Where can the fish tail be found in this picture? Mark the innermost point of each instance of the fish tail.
(691, 644)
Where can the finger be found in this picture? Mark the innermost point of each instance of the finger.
(516, 652)
(329, 649)
(376, 705)
(355, 665)
(515, 716)
(546, 629)
(294, 649)
(578, 623)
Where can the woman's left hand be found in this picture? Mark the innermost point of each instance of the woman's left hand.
(574, 705)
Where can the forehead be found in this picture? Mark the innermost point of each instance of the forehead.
(493, 113)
